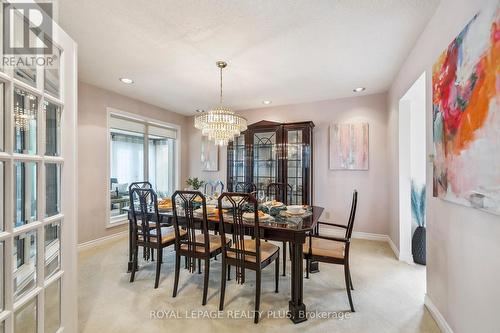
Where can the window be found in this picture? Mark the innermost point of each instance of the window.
(2, 195)
(52, 189)
(52, 248)
(25, 317)
(24, 270)
(133, 158)
(2, 116)
(52, 321)
(25, 122)
(52, 77)
(2, 278)
(52, 129)
(25, 196)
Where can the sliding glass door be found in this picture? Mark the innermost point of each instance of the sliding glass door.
(133, 158)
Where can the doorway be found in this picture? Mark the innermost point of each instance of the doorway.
(412, 164)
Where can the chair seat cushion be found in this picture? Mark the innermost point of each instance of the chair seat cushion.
(266, 250)
(167, 235)
(325, 248)
(215, 243)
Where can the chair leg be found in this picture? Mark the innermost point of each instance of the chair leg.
(284, 258)
(158, 267)
(277, 274)
(308, 267)
(229, 272)
(134, 262)
(176, 276)
(347, 285)
(185, 262)
(199, 266)
(205, 283)
(152, 254)
(257, 296)
(222, 285)
(350, 280)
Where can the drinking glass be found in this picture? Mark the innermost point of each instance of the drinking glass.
(261, 195)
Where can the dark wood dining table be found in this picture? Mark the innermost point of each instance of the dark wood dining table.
(292, 229)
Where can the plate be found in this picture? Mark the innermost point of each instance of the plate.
(273, 204)
(250, 217)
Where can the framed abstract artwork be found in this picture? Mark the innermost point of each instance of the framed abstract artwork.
(349, 146)
(209, 155)
(466, 115)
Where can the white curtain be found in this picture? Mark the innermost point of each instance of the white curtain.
(127, 157)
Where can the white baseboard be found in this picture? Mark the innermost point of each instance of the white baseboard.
(102, 240)
(438, 317)
(394, 248)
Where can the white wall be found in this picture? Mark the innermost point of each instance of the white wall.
(463, 269)
(332, 189)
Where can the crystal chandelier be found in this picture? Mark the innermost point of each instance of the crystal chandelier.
(220, 124)
(24, 115)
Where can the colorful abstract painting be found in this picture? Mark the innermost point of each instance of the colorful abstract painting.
(349, 146)
(466, 115)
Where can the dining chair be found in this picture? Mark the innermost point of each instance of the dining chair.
(244, 253)
(280, 192)
(245, 187)
(192, 239)
(333, 250)
(146, 229)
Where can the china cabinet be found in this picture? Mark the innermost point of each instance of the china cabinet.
(269, 152)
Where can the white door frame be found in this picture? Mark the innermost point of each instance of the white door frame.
(67, 274)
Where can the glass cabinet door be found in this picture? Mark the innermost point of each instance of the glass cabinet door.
(265, 159)
(237, 161)
(297, 166)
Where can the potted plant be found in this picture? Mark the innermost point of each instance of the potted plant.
(418, 212)
(195, 183)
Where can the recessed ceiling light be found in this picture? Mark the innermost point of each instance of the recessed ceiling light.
(200, 110)
(360, 89)
(266, 102)
(126, 80)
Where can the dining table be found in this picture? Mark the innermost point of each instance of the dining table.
(281, 227)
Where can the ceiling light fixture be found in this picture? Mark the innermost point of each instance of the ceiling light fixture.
(220, 124)
(360, 89)
(266, 102)
(126, 80)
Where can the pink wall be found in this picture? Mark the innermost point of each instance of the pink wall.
(92, 150)
(462, 243)
(332, 189)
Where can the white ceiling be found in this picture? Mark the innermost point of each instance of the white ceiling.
(287, 51)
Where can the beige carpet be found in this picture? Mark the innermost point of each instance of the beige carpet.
(388, 296)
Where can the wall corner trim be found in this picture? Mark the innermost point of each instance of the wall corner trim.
(438, 317)
(100, 241)
(394, 248)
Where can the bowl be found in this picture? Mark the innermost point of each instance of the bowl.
(295, 209)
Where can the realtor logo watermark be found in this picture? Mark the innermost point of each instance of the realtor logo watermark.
(27, 37)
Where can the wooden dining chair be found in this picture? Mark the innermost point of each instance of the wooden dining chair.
(244, 253)
(192, 239)
(146, 229)
(245, 187)
(333, 250)
(280, 191)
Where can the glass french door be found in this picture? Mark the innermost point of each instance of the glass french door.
(38, 194)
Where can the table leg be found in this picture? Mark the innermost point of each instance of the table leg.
(297, 308)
